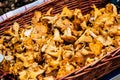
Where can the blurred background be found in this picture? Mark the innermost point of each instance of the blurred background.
(8, 5)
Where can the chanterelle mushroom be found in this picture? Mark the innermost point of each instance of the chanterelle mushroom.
(67, 12)
(68, 37)
(78, 59)
(36, 17)
(16, 28)
(52, 19)
(84, 38)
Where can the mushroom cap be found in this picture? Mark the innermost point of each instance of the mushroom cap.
(69, 39)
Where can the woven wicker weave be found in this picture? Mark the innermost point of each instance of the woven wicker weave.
(91, 72)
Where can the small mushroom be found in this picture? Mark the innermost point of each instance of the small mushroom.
(67, 54)
(63, 24)
(65, 68)
(111, 8)
(16, 28)
(85, 37)
(66, 13)
(52, 19)
(78, 59)
(68, 37)
(28, 32)
(49, 11)
(37, 16)
(68, 51)
(96, 47)
(79, 14)
(52, 49)
(96, 12)
(40, 29)
(68, 23)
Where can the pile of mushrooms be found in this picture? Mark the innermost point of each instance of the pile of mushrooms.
(55, 45)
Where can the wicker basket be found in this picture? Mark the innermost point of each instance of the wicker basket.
(91, 72)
